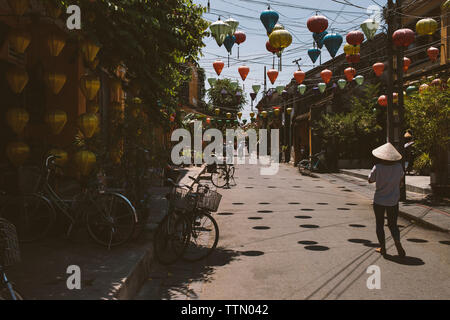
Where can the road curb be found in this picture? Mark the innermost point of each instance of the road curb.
(132, 283)
(422, 222)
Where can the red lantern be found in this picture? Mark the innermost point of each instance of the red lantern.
(240, 37)
(326, 75)
(378, 68)
(350, 73)
(403, 37)
(243, 71)
(270, 48)
(218, 66)
(273, 75)
(433, 53)
(354, 58)
(317, 24)
(382, 101)
(299, 76)
(208, 120)
(355, 38)
(395, 97)
(406, 63)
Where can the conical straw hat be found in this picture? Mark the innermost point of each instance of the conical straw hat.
(387, 152)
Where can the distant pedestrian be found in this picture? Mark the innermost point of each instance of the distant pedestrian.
(388, 175)
(409, 152)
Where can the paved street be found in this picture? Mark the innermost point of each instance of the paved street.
(295, 237)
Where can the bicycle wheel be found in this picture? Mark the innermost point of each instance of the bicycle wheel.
(204, 236)
(110, 219)
(32, 215)
(171, 238)
(219, 178)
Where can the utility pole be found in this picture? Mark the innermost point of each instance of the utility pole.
(390, 82)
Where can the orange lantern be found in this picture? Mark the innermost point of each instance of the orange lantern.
(89, 50)
(406, 63)
(17, 79)
(350, 73)
(273, 75)
(55, 81)
(85, 161)
(378, 68)
(299, 76)
(56, 43)
(56, 120)
(326, 75)
(89, 85)
(19, 7)
(17, 119)
(17, 152)
(19, 39)
(218, 66)
(88, 124)
(243, 71)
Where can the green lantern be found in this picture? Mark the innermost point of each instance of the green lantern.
(359, 80)
(370, 27)
(234, 24)
(411, 89)
(301, 89)
(280, 89)
(244, 121)
(212, 81)
(342, 83)
(256, 88)
(219, 31)
(322, 86)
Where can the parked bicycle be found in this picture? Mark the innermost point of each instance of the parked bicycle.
(109, 217)
(315, 163)
(188, 231)
(222, 174)
(9, 255)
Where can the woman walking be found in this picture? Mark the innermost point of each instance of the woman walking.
(387, 174)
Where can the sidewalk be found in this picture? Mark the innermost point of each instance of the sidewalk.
(114, 274)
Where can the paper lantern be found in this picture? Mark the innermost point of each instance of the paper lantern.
(301, 89)
(280, 39)
(378, 68)
(256, 88)
(382, 101)
(56, 43)
(353, 58)
(218, 66)
(234, 24)
(18, 7)
(88, 124)
(19, 39)
(370, 27)
(264, 114)
(427, 26)
(208, 120)
(55, 81)
(17, 152)
(351, 50)
(243, 71)
(299, 76)
(433, 53)
(269, 19)
(61, 156)
(89, 50)
(359, 80)
(317, 24)
(342, 83)
(56, 120)
(411, 89)
(17, 119)
(424, 87)
(89, 85)
(276, 110)
(239, 114)
(406, 63)
(252, 114)
(355, 38)
(84, 161)
(273, 75)
(403, 37)
(17, 79)
(333, 43)
(395, 97)
(219, 30)
(229, 42)
(217, 111)
(350, 73)
(240, 37)
(289, 111)
(228, 115)
(322, 86)
(318, 38)
(314, 54)
(326, 75)
(270, 48)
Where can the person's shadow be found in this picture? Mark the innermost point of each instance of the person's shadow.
(409, 261)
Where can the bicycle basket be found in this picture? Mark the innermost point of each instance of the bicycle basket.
(182, 199)
(208, 200)
(9, 244)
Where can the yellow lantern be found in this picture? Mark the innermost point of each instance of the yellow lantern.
(280, 39)
(426, 26)
(264, 114)
(85, 161)
(228, 115)
(56, 43)
(17, 79)
(17, 119)
(55, 81)
(289, 111)
(17, 152)
(92, 107)
(56, 120)
(252, 114)
(61, 155)
(276, 111)
(217, 111)
(89, 50)
(88, 124)
(351, 50)
(239, 114)
(19, 7)
(19, 39)
(89, 85)
(52, 10)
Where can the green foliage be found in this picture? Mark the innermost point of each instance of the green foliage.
(422, 164)
(229, 102)
(428, 114)
(354, 133)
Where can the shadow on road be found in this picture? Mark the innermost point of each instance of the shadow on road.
(408, 261)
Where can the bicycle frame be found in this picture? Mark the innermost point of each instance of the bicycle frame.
(5, 282)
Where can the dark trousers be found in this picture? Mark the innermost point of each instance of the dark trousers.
(392, 215)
